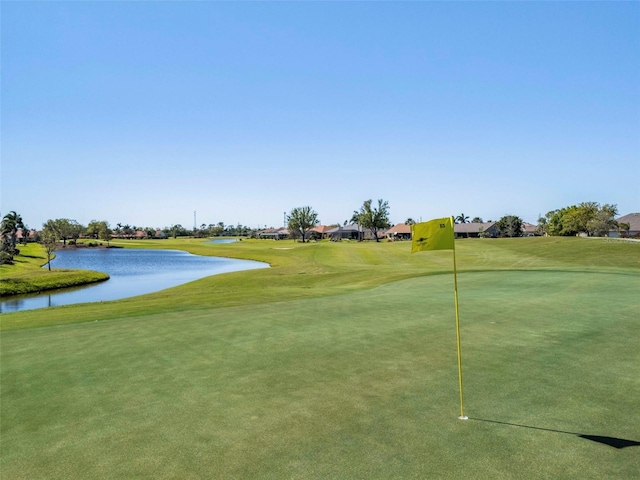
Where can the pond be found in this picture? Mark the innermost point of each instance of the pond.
(133, 272)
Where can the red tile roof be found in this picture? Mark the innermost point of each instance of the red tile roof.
(400, 228)
(321, 229)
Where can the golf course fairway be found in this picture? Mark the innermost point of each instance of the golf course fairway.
(339, 362)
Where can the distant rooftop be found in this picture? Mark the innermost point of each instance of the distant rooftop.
(472, 227)
(633, 219)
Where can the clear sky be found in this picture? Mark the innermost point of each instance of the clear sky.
(144, 112)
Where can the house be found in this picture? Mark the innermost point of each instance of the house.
(529, 230)
(274, 233)
(633, 219)
(476, 230)
(32, 235)
(320, 232)
(400, 231)
(352, 231)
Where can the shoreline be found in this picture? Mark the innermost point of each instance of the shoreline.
(56, 279)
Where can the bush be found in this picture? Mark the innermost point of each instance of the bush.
(6, 258)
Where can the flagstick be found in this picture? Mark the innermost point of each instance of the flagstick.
(455, 290)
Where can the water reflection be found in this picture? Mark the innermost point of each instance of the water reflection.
(133, 272)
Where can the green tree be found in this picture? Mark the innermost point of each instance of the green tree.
(554, 224)
(510, 226)
(104, 232)
(603, 221)
(7, 252)
(588, 218)
(300, 221)
(542, 226)
(577, 218)
(64, 229)
(99, 230)
(356, 220)
(176, 231)
(11, 222)
(476, 220)
(462, 218)
(624, 228)
(202, 231)
(409, 221)
(93, 229)
(375, 218)
(49, 242)
(25, 234)
(482, 233)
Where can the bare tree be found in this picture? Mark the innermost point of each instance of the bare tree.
(50, 244)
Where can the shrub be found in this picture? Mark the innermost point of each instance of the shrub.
(6, 258)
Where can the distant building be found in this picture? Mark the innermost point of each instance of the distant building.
(476, 230)
(20, 235)
(274, 233)
(529, 229)
(633, 219)
(320, 232)
(352, 231)
(400, 231)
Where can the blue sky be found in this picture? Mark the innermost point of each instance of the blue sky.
(144, 112)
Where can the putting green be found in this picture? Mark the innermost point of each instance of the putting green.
(361, 385)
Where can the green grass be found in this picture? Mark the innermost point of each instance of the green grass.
(338, 362)
(26, 275)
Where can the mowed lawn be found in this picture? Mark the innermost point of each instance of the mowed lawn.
(339, 362)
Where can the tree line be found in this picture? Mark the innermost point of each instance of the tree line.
(372, 217)
(587, 218)
(68, 231)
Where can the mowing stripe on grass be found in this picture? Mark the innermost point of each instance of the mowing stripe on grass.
(350, 386)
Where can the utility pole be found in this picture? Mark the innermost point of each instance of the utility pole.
(194, 222)
(284, 222)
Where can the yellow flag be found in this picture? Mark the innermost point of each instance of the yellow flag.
(435, 234)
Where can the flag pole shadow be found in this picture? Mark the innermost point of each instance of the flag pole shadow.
(610, 441)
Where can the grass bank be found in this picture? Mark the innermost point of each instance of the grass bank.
(310, 270)
(338, 362)
(26, 275)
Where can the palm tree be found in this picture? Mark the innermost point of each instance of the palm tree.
(356, 218)
(10, 225)
(462, 218)
(624, 228)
